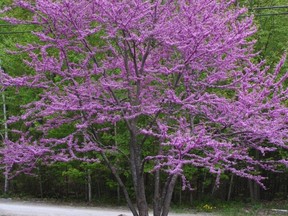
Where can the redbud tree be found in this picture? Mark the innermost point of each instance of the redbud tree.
(179, 75)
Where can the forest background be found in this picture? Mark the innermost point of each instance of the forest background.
(94, 182)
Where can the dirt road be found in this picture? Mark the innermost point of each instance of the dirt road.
(13, 208)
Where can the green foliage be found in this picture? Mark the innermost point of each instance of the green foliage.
(272, 37)
(10, 35)
(73, 174)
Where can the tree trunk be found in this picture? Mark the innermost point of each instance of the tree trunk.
(214, 187)
(157, 199)
(230, 187)
(137, 173)
(250, 184)
(256, 186)
(116, 145)
(203, 185)
(168, 196)
(254, 191)
(118, 194)
(6, 181)
(98, 190)
(89, 185)
(40, 182)
(191, 198)
(121, 184)
(180, 194)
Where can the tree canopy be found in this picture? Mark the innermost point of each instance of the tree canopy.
(179, 76)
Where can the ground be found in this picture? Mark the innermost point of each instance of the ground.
(22, 208)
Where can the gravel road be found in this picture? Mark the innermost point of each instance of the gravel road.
(17, 208)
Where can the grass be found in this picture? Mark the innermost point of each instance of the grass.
(252, 209)
(221, 208)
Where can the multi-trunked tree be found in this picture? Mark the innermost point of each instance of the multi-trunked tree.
(179, 75)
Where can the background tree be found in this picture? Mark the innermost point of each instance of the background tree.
(272, 40)
(9, 36)
(178, 76)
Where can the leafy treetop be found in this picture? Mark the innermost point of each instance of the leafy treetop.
(181, 72)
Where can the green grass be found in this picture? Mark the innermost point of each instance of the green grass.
(220, 208)
(252, 209)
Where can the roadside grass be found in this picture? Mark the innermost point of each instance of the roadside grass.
(252, 209)
(241, 209)
(234, 208)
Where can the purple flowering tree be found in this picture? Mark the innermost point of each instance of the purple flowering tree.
(180, 73)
